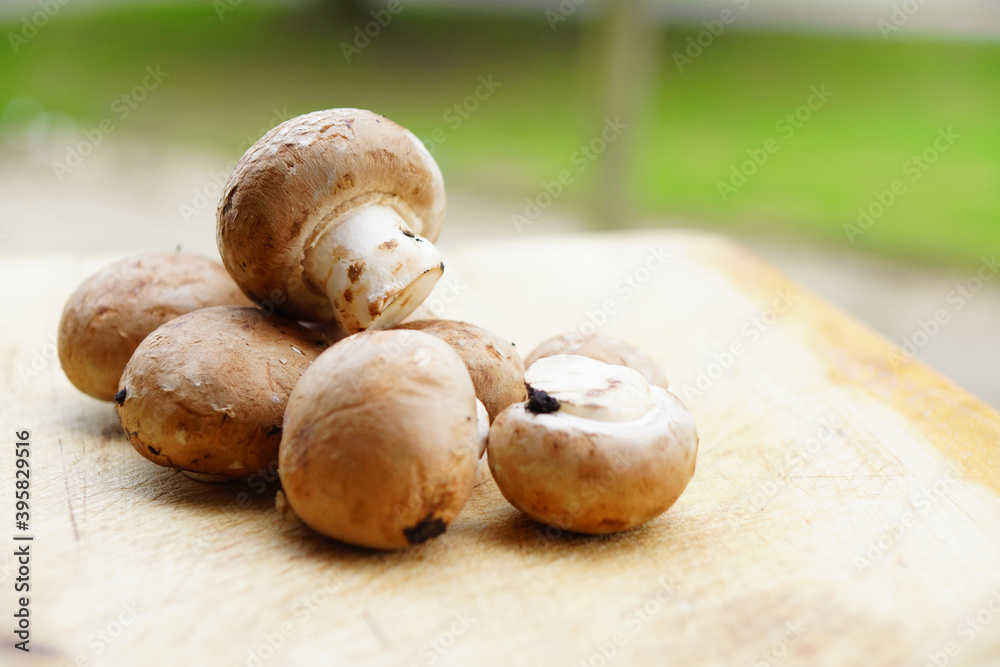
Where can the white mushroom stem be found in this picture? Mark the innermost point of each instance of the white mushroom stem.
(210, 479)
(483, 423)
(373, 268)
(587, 388)
(483, 435)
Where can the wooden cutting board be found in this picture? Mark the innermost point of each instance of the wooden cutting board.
(844, 510)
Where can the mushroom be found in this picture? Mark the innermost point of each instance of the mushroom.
(113, 310)
(494, 365)
(595, 449)
(601, 348)
(206, 392)
(331, 216)
(380, 440)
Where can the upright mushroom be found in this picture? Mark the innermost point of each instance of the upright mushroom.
(380, 440)
(206, 392)
(331, 216)
(494, 365)
(117, 307)
(601, 348)
(595, 449)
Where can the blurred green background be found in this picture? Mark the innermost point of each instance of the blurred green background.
(232, 64)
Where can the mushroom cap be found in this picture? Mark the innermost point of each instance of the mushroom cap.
(306, 174)
(601, 348)
(494, 365)
(206, 392)
(380, 440)
(117, 307)
(585, 475)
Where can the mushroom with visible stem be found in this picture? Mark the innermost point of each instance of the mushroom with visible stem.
(380, 440)
(601, 348)
(494, 365)
(595, 449)
(331, 216)
(206, 392)
(116, 308)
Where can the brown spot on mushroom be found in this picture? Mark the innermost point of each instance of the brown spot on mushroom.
(121, 395)
(407, 233)
(154, 452)
(344, 181)
(493, 352)
(381, 155)
(389, 245)
(374, 309)
(354, 271)
(429, 527)
(348, 295)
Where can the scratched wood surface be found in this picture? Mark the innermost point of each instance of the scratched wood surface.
(844, 510)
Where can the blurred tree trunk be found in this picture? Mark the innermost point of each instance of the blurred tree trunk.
(627, 48)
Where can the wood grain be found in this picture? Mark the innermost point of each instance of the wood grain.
(844, 511)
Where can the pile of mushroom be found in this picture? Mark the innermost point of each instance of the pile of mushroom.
(301, 359)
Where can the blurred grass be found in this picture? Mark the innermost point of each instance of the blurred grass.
(889, 100)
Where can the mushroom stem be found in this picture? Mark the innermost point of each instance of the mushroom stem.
(588, 388)
(373, 268)
(210, 479)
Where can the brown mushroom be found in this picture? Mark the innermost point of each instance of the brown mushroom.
(116, 308)
(595, 449)
(494, 365)
(206, 392)
(331, 216)
(380, 440)
(601, 348)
